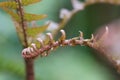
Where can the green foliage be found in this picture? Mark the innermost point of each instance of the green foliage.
(13, 14)
(11, 7)
(33, 17)
(14, 5)
(27, 16)
(34, 31)
(27, 2)
(9, 4)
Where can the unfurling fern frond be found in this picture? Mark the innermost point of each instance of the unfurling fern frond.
(32, 52)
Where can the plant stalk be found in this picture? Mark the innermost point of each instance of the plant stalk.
(29, 63)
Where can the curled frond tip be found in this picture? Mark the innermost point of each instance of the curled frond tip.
(33, 52)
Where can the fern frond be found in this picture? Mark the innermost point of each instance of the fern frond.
(12, 13)
(14, 5)
(8, 4)
(34, 31)
(28, 2)
(27, 16)
(33, 17)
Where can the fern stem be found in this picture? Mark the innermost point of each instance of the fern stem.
(29, 69)
(23, 23)
(28, 62)
(32, 52)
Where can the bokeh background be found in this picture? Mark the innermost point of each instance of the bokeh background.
(68, 63)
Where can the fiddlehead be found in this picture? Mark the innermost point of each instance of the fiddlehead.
(32, 52)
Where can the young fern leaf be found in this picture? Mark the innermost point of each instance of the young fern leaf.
(28, 2)
(14, 5)
(33, 17)
(27, 16)
(8, 4)
(31, 32)
(13, 14)
(34, 31)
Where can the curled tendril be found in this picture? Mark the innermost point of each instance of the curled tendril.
(33, 52)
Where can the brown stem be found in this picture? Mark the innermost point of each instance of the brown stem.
(28, 62)
(23, 23)
(33, 52)
(29, 69)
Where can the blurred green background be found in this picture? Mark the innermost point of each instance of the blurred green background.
(68, 63)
